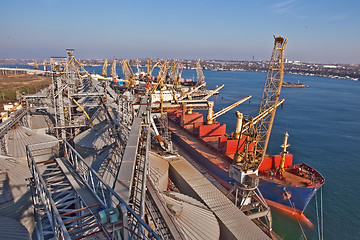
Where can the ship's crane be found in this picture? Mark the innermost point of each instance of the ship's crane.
(216, 90)
(243, 128)
(188, 94)
(104, 68)
(211, 116)
(244, 169)
(199, 73)
(284, 153)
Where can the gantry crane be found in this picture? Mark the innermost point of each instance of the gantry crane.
(104, 69)
(244, 169)
(199, 73)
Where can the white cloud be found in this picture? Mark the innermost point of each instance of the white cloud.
(284, 6)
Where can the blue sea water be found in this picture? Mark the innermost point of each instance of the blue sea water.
(323, 123)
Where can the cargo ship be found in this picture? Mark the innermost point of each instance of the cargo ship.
(285, 186)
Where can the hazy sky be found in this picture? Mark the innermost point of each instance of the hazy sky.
(326, 31)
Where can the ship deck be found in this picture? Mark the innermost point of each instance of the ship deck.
(195, 143)
(292, 180)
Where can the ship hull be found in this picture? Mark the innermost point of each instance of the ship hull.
(286, 197)
(293, 197)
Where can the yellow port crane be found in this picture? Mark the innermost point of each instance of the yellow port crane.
(128, 73)
(104, 68)
(245, 166)
(199, 73)
(71, 62)
(160, 84)
(270, 100)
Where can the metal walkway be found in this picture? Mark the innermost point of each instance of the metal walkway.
(73, 202)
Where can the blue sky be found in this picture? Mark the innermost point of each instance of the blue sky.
(318, 30)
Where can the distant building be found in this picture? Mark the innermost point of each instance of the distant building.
(330, 66)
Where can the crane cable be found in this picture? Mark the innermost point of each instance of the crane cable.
(320, 220)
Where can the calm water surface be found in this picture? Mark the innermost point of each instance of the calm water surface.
(323, 123)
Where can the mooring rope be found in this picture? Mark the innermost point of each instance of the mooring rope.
(321, 215)
(301, 228)
(317, 216)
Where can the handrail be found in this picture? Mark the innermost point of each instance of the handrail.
(95, 183)
(56, 222)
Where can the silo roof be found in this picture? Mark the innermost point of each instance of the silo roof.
(18, 137)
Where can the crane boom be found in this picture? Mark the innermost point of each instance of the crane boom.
(192, 91)
(261, 115)
(212, 116)
(245, 167)
(161, 77)
(259, 128)
(216, 90)
(270, 97)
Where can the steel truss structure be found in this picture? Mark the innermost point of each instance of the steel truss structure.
(61, 188)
